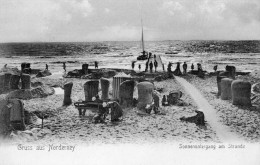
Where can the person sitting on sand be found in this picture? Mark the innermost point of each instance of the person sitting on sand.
(139, 67)
(184, 68)
(64, 66)
(155, 65)
(116, 111)
(151, 67)
(96, 65)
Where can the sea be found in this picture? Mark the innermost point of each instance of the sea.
(244, 55)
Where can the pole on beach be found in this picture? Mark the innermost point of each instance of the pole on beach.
(105, 88)
(67, 93)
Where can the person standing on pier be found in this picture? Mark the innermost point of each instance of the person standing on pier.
(155, 64)
(151, 67)
(146, 66)
(150, 54)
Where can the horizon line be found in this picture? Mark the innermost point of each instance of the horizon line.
(129, 41)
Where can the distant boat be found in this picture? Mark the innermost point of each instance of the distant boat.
(144, 55)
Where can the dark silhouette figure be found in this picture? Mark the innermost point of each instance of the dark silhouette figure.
(215, 68)
(178, 69)
(146, 66)
(155, 65)
(184, 68)
(198, 119)
(151, 67)
(192, 67)
(46, 67)
(5, 66)
(154, 56)
(199, 67)
(169, 69)
(133, 65)
(164, 101)
(96, 65)
(150, 54)
(139, 67)
(201, 74)
(64, 66)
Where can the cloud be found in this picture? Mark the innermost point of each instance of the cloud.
(107, 10)
(83, 20)
(172, 6)
(33, 20)
(207, 19)
(123, 32)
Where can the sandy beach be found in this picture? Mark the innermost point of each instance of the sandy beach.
(64, 123)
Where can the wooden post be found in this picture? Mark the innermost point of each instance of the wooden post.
(67, 93)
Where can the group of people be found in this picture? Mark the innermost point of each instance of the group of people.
(184, 66)
(149, 64)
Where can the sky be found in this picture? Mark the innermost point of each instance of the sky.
(120, 20)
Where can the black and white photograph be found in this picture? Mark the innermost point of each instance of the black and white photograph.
(130, 82)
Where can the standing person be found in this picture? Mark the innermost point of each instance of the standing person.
(46, 67)
(155, 65)
(178, 69)
(150, 54)
(146, 66)
(154, 56)
(133, 65)
(64, 66)
(96, 65)
(169, 69)
(184, 68)
(151, 67)
(215, 68)
(139, 67)
(192, 66)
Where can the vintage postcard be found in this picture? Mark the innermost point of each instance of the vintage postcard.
(129, 82)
